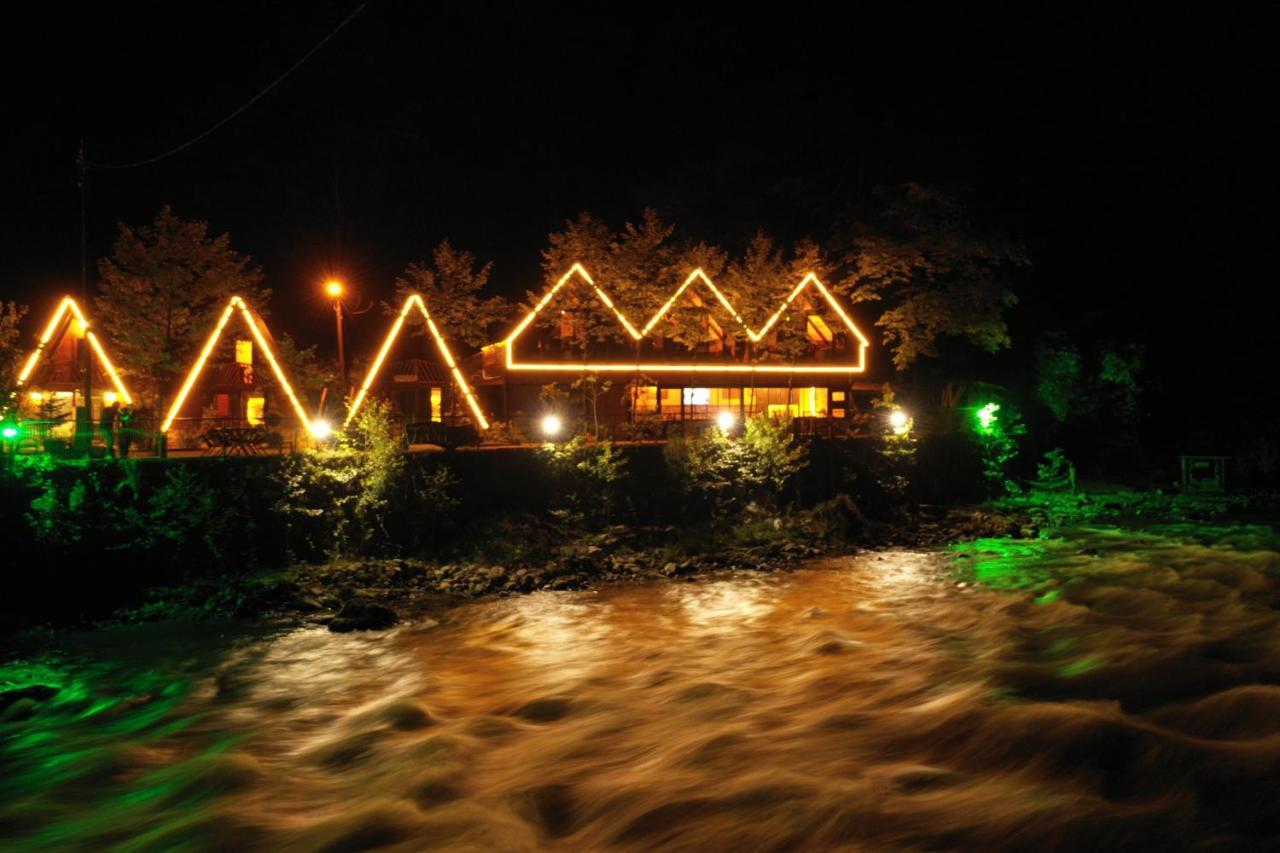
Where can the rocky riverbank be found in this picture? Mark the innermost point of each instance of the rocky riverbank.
(522, 555)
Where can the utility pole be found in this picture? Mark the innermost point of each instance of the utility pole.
(342, 358)
(84, 424)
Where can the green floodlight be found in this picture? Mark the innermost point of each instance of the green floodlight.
(9, 431)
(987, 415)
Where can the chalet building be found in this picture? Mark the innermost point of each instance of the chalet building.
(419, 391)
(807, 362)
(55, 386)
(235, 388)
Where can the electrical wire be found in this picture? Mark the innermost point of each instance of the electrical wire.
(276, 82)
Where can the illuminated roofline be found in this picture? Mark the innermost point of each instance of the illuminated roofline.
(660, 367)
(235, 302)
(416, 300)
(68, 305)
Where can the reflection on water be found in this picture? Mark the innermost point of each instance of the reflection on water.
(1103, 691)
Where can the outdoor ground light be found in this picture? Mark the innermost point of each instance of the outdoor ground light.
(726, 420)
(321, 429)
(987, 415)
(899, 422)
(551, 426)
(9, 431)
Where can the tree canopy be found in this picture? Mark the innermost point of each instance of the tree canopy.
(451, 282)
(934, 273)
(161, 291)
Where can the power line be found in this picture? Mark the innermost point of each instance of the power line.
(242, 108)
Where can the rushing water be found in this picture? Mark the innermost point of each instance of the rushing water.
(1106, 690)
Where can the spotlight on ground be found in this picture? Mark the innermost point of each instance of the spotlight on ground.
(987, 416)
(726, 420)
(899, 422)
(551, 426)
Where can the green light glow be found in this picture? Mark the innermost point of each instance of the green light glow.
(987, 415)
(9, 432)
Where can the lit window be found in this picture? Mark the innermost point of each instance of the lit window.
(818, 331)
(436, 398)
(697, 396)
(254, 410)
(646, 398)
(244, 352)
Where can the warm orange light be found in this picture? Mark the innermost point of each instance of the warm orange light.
(68, 308)
(665, 367)
(333, 287)
(416, 301)
(232, 305)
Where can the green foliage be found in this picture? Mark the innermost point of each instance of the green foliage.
(1058, 369)
(451, 283)
(586, 478)
(11, 314)
(937, 275)
(83, 509)
(998, 445)
(896, 451)
(359, 499)
(161, 290)
(727, 474)
(1054, 466)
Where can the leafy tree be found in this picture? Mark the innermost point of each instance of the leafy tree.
(161, 290)
(11, 314)
(935, 273)
(636, 266)
(307, 372)
(451, 283)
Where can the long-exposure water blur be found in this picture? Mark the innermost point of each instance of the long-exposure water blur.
(1106, 689)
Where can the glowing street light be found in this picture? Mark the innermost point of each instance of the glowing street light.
(321, 429)
(9, 431)
(551, 426)
(899, 422)
(726, 420)
(333, 287)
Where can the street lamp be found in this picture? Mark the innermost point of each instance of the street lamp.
(334, 289)
(551, 426)
(726, 420)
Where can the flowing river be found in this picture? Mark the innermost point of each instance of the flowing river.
(1104, 690)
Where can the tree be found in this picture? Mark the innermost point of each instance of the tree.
(11, 314)
(637, 266)
(936, 274)
(451, 283)
(160, 293)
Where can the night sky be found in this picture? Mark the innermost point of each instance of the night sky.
(1132, 151)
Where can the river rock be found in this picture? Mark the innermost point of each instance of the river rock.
(362, 615)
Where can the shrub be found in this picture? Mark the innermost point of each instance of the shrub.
(726, 474)
(585, 478)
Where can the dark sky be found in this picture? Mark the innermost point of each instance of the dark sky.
(1132, 151)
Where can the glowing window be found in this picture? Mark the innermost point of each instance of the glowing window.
(255, 408)
(697, 396)
(437, 395)
(222, 405)
(244, 352)
(670, 399)
(646, 398)
(818, 331)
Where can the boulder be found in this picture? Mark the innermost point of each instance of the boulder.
(363, 615)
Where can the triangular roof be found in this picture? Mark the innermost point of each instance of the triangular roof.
(809, 280)
(415, 300)
(258, 329)
(67, 309)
